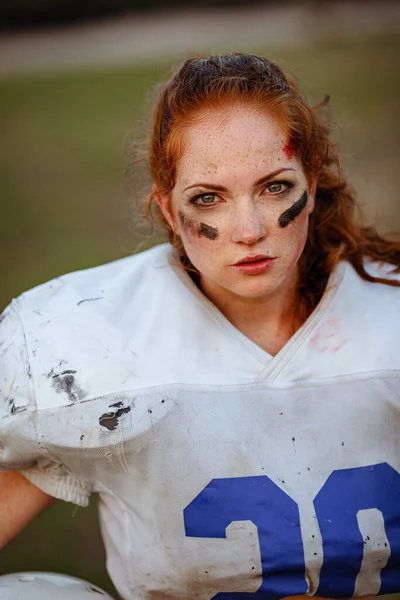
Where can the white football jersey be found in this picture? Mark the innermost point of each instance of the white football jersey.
(223, 472)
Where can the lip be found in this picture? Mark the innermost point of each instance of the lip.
(254, 265)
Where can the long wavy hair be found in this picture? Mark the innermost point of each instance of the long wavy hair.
(335, 230)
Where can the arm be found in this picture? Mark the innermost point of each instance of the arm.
(20, 502)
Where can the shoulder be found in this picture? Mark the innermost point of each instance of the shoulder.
(84, 325)
(121, 326)
(382, 270)
(365, 315)
(370, 307)
(93, 284)
(355, 330)
(377, 295)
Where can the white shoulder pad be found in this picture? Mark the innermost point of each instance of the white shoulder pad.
(17, 400)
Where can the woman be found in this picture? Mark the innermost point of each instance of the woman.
(233, 396)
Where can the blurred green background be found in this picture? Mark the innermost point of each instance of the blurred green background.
(65, 206)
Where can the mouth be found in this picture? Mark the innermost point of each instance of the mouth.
(252, 259)
(254, 265)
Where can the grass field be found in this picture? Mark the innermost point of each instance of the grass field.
(63, 205)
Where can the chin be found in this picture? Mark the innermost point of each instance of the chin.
(254, 290)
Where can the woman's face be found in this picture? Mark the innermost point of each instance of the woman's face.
(241, 204)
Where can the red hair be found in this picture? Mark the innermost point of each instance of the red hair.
(212, 83)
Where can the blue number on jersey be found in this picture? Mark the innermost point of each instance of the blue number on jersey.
(276, 516)
(273, 512)
(345, 493)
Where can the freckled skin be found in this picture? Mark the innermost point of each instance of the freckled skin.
(293, 212)
(182, 218)
(233, 152)
(188, 224)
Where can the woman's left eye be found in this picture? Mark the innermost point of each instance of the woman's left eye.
(277, 187)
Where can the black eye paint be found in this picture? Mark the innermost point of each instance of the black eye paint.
(201, 230)
(293, 212)
(211, 233)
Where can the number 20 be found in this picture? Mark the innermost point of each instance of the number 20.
(276, 516)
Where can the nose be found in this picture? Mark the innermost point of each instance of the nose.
(249, 226)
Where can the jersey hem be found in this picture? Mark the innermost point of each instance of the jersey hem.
(68, 489)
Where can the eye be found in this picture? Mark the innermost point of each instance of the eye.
(277, 187)
(205, 199)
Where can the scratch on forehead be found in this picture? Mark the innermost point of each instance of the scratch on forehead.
(288, 149)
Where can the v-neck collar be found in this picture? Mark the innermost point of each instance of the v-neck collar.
(273, 365)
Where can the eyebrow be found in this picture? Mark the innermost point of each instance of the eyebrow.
(221, 188)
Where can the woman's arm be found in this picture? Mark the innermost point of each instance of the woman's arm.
(20, 502)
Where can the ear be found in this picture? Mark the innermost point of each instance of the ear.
(164, 202)
(312, 190)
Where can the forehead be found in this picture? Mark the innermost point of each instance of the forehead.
(231, 140)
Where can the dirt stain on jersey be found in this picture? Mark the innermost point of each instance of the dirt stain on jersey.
(109, 420)
(89, 300)
(14, 409)
(65, 382)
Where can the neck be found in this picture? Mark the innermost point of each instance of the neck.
(268, 321)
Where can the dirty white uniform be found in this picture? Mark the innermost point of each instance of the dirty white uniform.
(223, 472)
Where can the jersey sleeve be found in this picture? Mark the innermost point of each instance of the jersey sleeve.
(21, 444)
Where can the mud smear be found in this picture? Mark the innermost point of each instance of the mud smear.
(109, 420)
(65, 382)
(13, 408)
(89, 300)
(116, 405)
(293, 212)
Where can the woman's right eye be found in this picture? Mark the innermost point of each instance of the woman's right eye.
(205, 199)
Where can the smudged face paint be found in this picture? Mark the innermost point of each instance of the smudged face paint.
(196, 228)
(235, 194)
(289, 215)
(211, 233)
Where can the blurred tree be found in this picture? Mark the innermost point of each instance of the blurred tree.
(15, 14)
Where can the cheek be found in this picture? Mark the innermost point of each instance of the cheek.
(299, 231)
(202, 252)
(289, 242)
(201, 242)
(195, 229)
